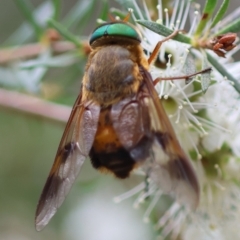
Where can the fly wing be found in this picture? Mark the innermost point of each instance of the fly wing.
(146, 132)
(74, 148)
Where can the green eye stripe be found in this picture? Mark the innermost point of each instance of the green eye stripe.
(115, 29)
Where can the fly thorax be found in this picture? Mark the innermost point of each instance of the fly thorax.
(111, 72)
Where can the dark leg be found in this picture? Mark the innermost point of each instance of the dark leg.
(182, 77)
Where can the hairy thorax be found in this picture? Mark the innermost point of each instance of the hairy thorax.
(112, 73)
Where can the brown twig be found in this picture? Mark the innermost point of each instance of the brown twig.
(32, 50)
(34, 106)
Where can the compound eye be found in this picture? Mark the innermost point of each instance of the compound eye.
(115, 29)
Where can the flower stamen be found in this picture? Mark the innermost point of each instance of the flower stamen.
(194, 23)
(166, 17)
(156, 198)
(130, 193)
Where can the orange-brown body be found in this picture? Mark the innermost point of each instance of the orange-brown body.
(112, 74)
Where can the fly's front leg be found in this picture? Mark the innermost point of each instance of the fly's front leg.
(158, 46)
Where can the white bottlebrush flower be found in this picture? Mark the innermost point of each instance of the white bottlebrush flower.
(208, 128)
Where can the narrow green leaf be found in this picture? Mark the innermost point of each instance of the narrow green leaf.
(87, 16)
(64, 32)
(207, 13)
(233, 27)
(234, 15)
(27, 10)
(164, 31)
(80, 11)
(25, 32)
(19, 36)
(189, 67)
(221, 69)
(205, 81)
(222, 10)
(104, 11)
(205, 77)
(57, 9)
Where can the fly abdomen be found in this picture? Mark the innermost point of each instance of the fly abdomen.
(118, 162)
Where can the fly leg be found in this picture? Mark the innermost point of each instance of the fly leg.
(181, 77)
(159, 44)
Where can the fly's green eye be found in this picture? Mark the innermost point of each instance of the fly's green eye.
(115, 29)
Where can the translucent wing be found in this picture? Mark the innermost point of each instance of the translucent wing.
(146, 132)
(74, 148)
